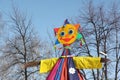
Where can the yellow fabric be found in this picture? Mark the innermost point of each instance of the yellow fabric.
(47, 64)
(87, 62)
(80, 63)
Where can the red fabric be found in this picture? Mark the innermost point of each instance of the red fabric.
(64, 75)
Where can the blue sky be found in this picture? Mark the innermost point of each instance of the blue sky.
(47, 14)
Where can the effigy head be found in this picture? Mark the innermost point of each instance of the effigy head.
(67, 34)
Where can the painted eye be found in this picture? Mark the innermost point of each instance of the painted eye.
(70, 31)
(62, 33)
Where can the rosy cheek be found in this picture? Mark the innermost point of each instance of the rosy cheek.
(72, 36)
(61, 38)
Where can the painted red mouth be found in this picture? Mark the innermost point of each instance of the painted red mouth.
(67, 39)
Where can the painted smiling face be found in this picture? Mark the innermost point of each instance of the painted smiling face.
(67, 34)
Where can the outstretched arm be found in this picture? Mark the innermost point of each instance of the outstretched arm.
(103, 60)
(46, 64)
(89, 62)
(32, 64)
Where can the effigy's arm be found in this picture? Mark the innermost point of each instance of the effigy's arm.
(80, 62)
(31, 64)
(89, 62)
(47, 64)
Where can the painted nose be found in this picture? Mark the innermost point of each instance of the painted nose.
(66, 35)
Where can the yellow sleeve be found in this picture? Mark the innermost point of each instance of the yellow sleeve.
(47, 64)
(87, 62)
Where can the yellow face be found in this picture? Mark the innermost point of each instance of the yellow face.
(67, 34)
